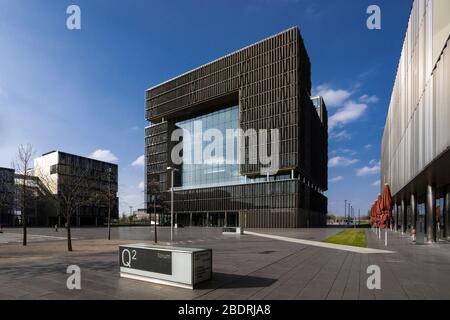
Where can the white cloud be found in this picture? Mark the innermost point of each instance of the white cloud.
(141, 185)
(368, 146)
(350, 112)
(337, 179)
(341, 162)
(314, 11)
(343, 150)
(139, 162)
(368, 170)
(368, 99)
(103, 155)
(374, 162)
(340, 136)
(376, 183)
(333, 98)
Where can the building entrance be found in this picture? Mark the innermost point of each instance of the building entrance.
(420, 224)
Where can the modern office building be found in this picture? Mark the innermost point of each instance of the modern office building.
(7, 194)
(35, 205)
(60, 173)
(416, 141)
(12, 200)
(266, 86)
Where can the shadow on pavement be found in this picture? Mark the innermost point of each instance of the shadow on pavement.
(233, 281)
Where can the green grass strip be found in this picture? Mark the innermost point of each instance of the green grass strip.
(355, 238)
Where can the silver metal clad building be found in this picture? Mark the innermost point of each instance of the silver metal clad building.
(415, 158)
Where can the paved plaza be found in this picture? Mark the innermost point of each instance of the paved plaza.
(251, 266)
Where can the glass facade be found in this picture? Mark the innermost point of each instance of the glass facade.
(216, 167)
(317, 104)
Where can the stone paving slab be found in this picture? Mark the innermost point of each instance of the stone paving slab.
(12, 237)
(245, 267)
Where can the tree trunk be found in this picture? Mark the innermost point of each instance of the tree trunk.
(69, 236)
(24, 223)
(24, 217)
(156, 230)
(109, 223)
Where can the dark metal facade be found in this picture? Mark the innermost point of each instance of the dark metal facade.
(270, 81)
(7, 194)
(100, 177)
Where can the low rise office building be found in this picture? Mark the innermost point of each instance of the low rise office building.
(30, 199)
(7, 197)
(94, 183)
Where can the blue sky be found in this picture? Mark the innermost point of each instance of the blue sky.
(83, 91)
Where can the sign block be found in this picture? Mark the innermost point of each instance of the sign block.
(175, 266)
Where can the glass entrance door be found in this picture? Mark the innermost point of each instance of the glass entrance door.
(440, 226)
(199, 219)
(232, 219)
(420, 224)
(409, 220)
(217, 219)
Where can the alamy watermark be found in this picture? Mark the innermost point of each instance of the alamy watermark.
(74, 280)
(234, 146)
(374, 20)
(374, 280)
(73, 21)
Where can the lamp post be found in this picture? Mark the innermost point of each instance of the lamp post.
(345, 211)
(171, 201)
(347, 218)
(350, 216)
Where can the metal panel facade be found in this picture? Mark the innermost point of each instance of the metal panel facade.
(7, 190)
(417, 131)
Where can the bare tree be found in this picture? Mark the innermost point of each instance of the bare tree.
(69, 193)
(106, 195)
(23, 166)
(157, 205)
